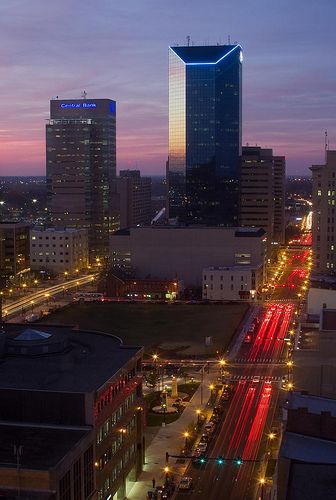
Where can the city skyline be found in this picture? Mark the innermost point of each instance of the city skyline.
(121, 53)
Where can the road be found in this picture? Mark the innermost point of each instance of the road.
(28, 302)
(255, 400)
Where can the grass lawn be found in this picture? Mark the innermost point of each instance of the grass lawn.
(152, 325)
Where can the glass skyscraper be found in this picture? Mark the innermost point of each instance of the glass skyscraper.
(81, 166)
(204, 134)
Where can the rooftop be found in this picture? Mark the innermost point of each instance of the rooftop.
(314, 404)
(240, 232)
(308, 449)
(207, 54)
(59, 358)
(43, 447)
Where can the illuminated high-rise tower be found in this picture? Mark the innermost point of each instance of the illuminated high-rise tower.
(81, 165)
(204, 133)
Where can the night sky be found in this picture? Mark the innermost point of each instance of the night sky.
(118, 49)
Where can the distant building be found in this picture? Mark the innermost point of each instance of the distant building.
(170, 252)
(71, 404)
(306, 465)
(262, 192)
(14, 248)
(205, 126)
(324, 217)
(119, 285)
(232, 283)
(131, 198)
(81, 164)
(58, 250)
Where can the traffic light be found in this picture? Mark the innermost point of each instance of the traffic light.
(238, 461)
(220, 460)
(202, 459)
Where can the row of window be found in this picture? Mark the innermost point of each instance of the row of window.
(114, 390)
(52, 238)
(115, 445)
(116, 471)
(105, 429)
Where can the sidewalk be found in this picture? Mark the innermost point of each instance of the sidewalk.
(170, 439)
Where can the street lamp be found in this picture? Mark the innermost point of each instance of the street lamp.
(262, 485)
(186, 435)
(222, 363)
(289, 366)
(166, 469)
(198, 417)
(164, 407)
(290, 386)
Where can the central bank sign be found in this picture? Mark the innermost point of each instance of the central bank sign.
(64, 105)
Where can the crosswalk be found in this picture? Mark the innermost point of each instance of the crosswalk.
(261, 378)
(266, 361)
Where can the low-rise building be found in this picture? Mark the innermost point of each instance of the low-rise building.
(71, 403)
(58, 250)
(321, 294)
(314, 356)
(231, 283)
(14, 248)
(182, 252)
(306, 464)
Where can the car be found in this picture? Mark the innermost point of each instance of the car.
(202, 447)
(204, 438)
(209, 427)
(185, 483)
(256, 378)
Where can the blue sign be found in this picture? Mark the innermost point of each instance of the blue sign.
(78, 105)
(112, 107)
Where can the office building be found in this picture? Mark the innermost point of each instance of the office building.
(71, 403)
(262, 192)
(232, 283)
(58, 250)
(181, 253)
(324, 217)
(14, 248)
(131, 198)
(81, 164)
(205, 95)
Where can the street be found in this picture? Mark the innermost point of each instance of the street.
(257, 374)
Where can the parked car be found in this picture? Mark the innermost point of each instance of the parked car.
(185, 483)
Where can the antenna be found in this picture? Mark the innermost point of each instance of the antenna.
(84, 94)
(188, 41)
(229, 40)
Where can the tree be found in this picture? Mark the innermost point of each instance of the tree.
(151, 379)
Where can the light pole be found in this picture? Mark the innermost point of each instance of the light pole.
(186, 435)
(222, 363)
(289, 367)
(262, 485)
(164, 407)
(166, 469)
(198, 417)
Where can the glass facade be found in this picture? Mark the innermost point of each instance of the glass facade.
(204, 134)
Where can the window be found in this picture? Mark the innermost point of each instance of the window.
(65, 487)
(77, 480)
(88, 472)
